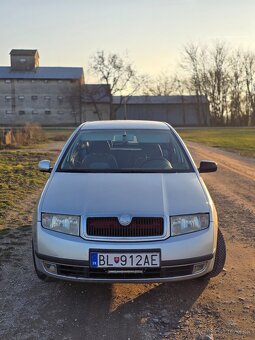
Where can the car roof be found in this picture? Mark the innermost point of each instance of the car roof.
(125, 124)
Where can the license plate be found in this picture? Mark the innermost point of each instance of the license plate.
(124, 260)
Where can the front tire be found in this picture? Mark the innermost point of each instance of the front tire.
(220, 257)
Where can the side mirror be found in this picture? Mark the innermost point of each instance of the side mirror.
(207, 166)
(44, 166)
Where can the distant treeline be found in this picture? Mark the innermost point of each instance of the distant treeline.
(224, 75)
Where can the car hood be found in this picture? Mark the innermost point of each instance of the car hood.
(111, 194)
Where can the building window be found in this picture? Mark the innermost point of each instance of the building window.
(8, 112)
(22, 112)
(72, 81)
(23, 60)
(47, 112)
(60, 99)
(60, 81)
(7, 81)
(34, 97)
(34, 112)
(21, 97)
(45, 81)
(47, 97)
(20, 80)
(33, 80)
(8, 98)
(60, 112)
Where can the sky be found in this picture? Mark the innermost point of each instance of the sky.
(153, 32)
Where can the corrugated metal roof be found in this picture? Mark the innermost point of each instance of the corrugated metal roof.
(23, 52)
(134, 100)
(42, 73)
(96, 93)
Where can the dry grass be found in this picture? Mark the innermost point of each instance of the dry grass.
(20, 180)
(29, 134)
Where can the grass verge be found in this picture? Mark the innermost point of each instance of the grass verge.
(19, 175)
(239, 140)
(19, 178)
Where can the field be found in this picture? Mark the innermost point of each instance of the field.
(19, 174)
(19, 179)
(239, 140)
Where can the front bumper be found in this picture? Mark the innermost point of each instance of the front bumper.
(64, 270)
(182, 257)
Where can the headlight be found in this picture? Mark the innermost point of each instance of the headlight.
(67, 224)
(189, 223)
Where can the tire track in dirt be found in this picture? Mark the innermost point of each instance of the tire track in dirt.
(235, 178)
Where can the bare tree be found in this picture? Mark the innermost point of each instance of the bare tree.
(194, 59)
(161, 85)
(207, 73)
(179, 86)
(118, 73)
(249, 78)
(236, 113)
(224, 76)
(97, 94)
(220, 64)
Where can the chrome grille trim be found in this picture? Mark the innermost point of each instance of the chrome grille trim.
(139, 227)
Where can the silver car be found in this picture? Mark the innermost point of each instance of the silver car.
(125, 202)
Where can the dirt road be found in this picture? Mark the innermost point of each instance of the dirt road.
(221, 309)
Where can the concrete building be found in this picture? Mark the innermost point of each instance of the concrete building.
(45, 95)
(176, 110)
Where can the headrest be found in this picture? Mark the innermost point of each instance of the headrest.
(98, 147)
(153, 151)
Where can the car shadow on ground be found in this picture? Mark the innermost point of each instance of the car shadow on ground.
(122, 311)
(64, 310)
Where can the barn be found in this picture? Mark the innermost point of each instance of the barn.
(176, 110)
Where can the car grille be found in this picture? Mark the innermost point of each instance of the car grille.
(139, 227)
(149, 273)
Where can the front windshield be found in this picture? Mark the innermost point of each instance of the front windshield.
(125, 151)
